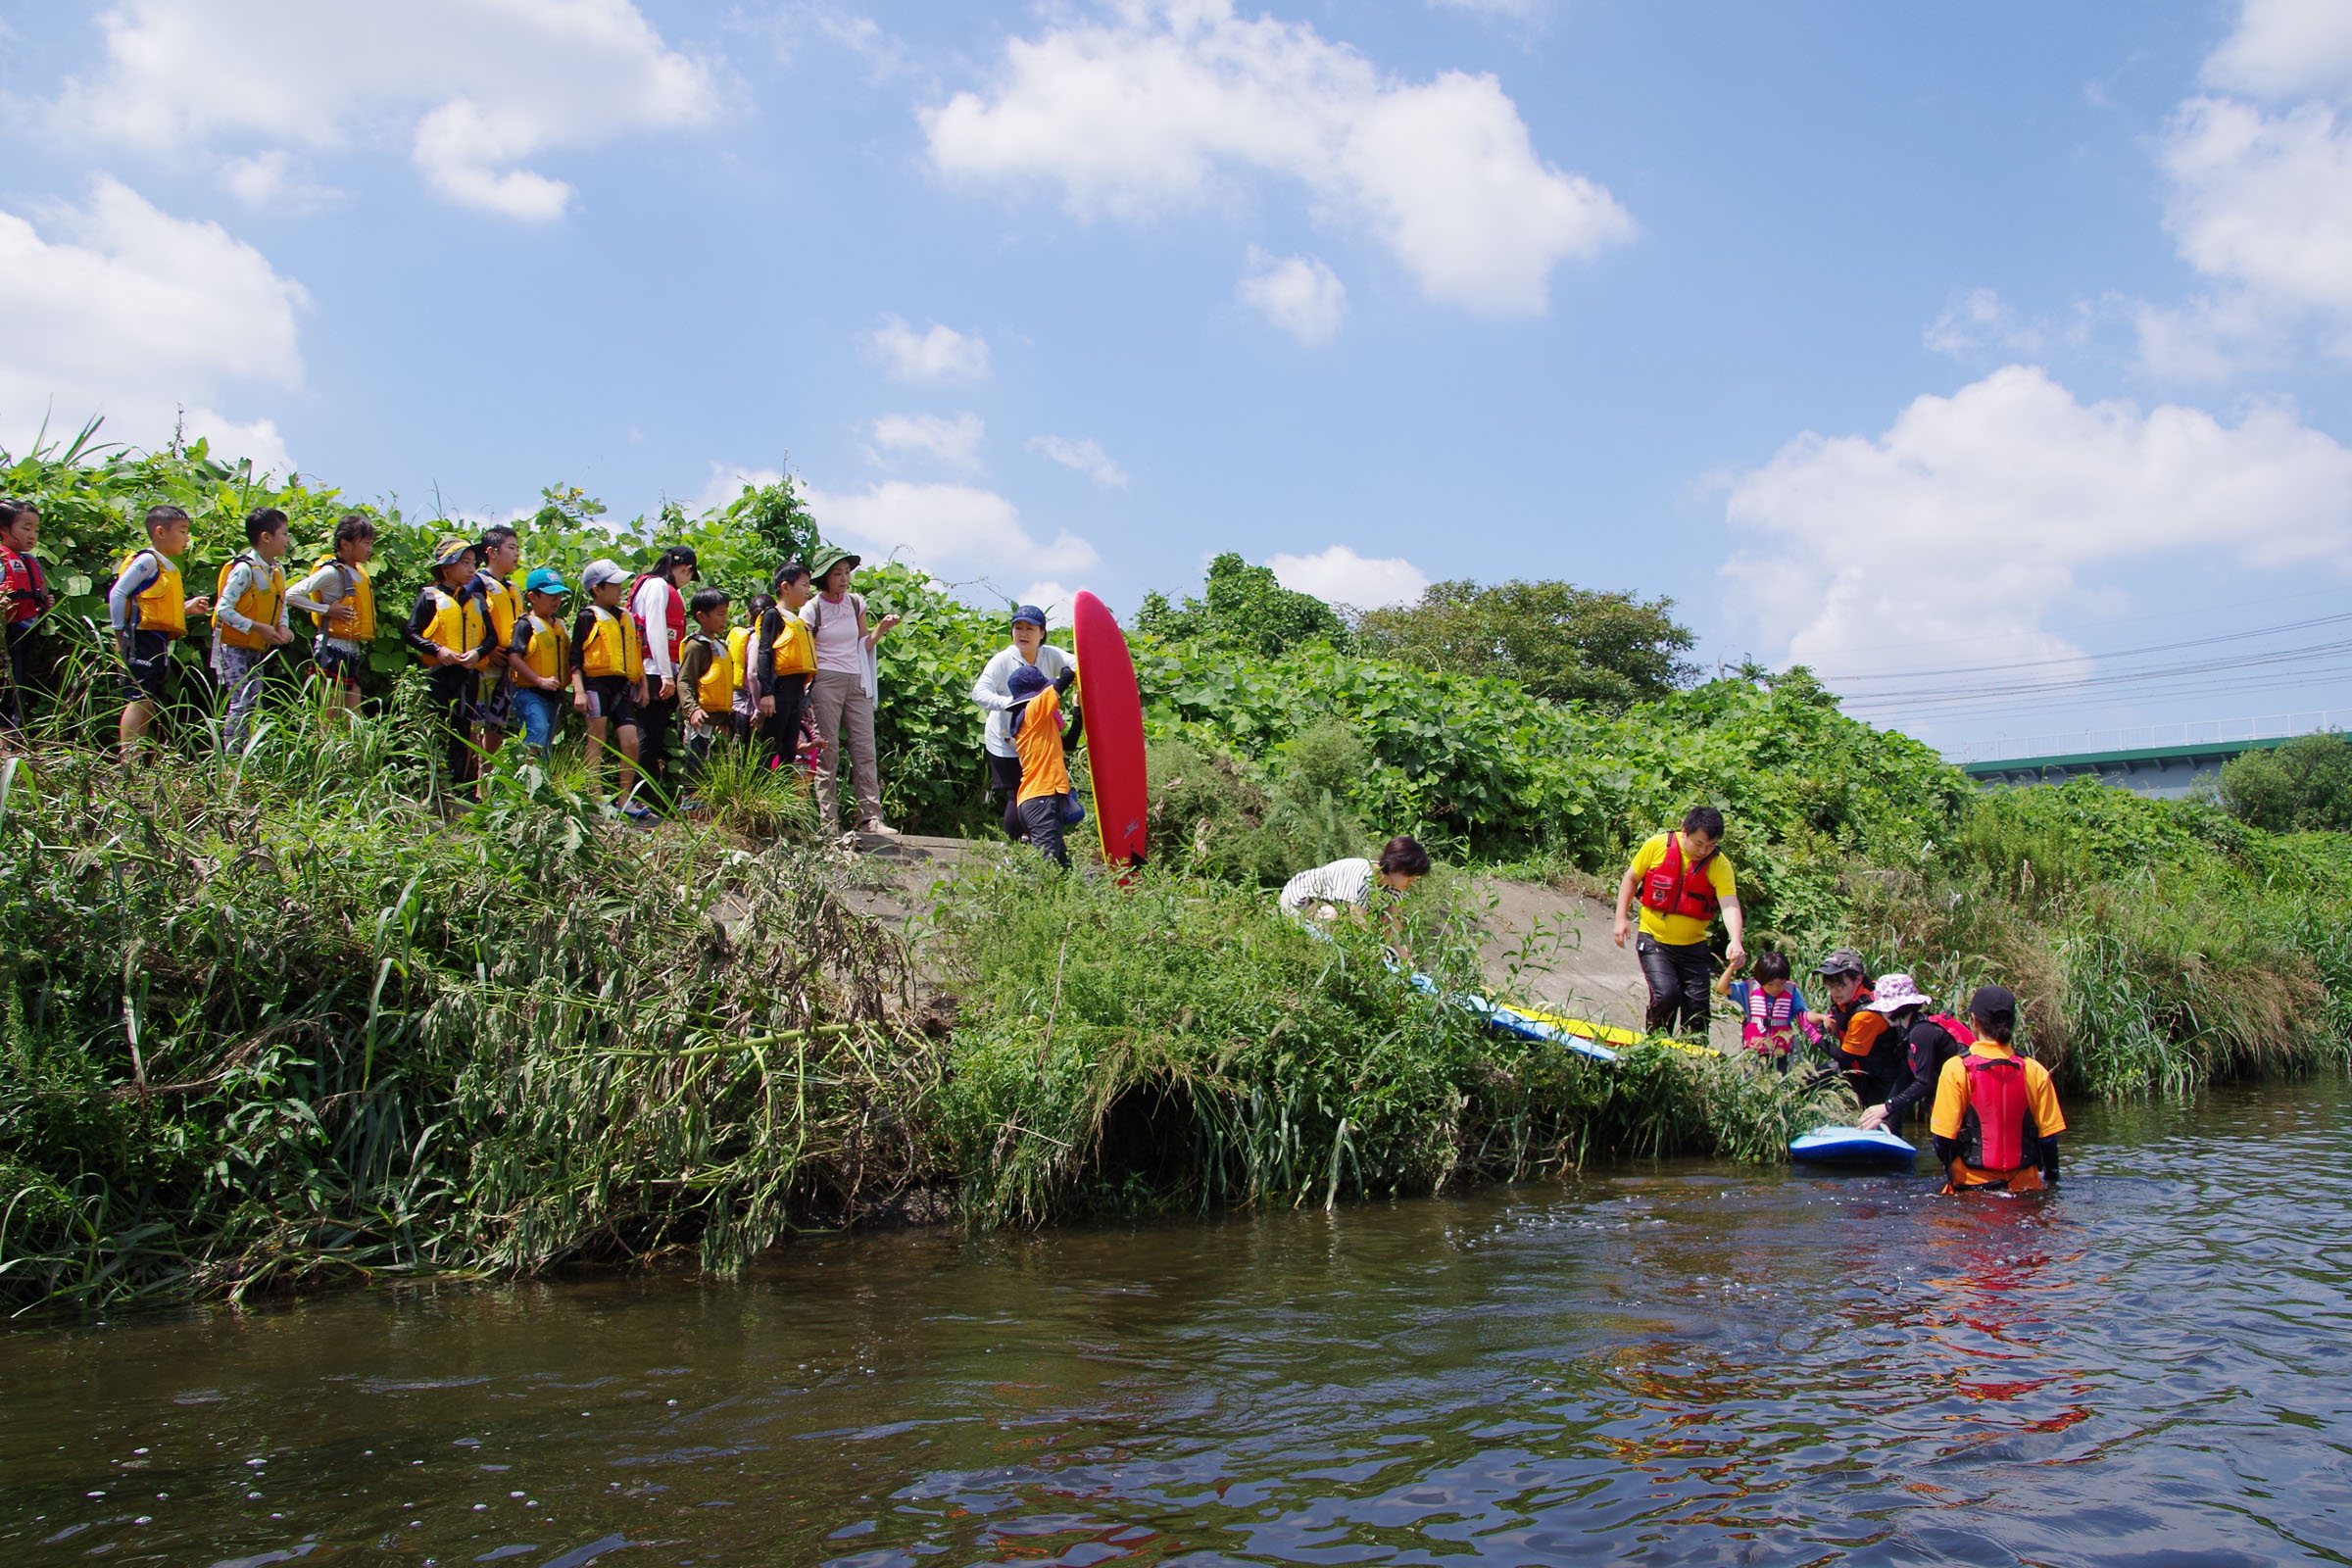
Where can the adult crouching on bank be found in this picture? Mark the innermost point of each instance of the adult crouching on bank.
(1683, 883)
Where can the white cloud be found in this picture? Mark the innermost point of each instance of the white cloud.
(268, 179)
(942, 354)
(955, 443)
(1981, 318)
(1340, 576)
(1155, 110)
(946, 529)
(2261, 198)
(135, 314)
(1085, 456)
(1051, 597)
(1971, 517)
(1297, 293)
(2283, 48)
(727, 482)
(476, 88)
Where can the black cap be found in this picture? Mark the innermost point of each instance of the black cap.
(1845, 961)
(1993, 1001)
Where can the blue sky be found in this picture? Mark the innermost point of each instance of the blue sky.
(1892, 338)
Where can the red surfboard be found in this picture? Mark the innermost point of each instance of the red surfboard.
(1114, 730)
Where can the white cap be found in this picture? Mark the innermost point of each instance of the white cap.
(603, 569)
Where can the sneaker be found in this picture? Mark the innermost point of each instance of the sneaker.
(637, 813)
(878, 828)
(690, 807)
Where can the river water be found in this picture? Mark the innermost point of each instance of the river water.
(1677, 1364)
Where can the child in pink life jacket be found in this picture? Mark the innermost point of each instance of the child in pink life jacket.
(1772, 1011)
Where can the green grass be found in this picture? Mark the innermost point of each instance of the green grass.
(1169, 1044)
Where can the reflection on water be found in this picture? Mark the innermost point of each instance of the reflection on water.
(1673, 1363)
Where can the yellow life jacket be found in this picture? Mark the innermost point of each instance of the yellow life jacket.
(549, 652)
(258, 603)
(614, 646)
(795, 647)
(739, 654)
(163, 606)
(503, 605)
(457, 623)
(715, 691)
(363, 601)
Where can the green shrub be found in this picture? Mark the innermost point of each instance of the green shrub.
(2305, 784)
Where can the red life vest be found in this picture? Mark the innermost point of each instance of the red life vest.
(21, 577)
(1997, 1135)
(1962, 1035)
(1674, 888)
(1771, 1020)
(677, 612)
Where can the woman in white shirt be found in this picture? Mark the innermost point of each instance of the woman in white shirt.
(1324, 892)
(841, 698)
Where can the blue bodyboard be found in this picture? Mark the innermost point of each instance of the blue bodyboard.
(1851, 1146)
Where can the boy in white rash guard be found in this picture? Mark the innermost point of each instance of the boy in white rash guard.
(993, 694)
(1323, 892)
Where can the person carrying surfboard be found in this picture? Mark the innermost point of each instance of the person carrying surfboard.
(1324, 891)
(1685, 882)
(993, 695)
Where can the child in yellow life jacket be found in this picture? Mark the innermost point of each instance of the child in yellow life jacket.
(539, 660)
(783, 664)
(738, 650)
(340, 598)
(249, 620)
(607, 675)
(449, 633)
(1997, 1119)
(706, 681)
(149, 613)
(496, 555)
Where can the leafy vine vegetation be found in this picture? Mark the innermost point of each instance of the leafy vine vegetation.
(270, 1020)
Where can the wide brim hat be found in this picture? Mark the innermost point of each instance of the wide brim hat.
(449, 552)
(1895, 992)
(831, 555)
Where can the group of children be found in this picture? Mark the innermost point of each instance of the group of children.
(1993, 1112)
(637, 656)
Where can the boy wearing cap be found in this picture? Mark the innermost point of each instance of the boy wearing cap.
(608, 677)
(449, 634)
(1044, 781)
(1870, 1059)
(993, 694)
(1997, 1119)
(1684, 881)
(539, 660)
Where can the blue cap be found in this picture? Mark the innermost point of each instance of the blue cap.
(1030, 613)
(1027, 680)
(544, 580)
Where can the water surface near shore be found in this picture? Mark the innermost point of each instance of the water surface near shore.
(1683, 1362)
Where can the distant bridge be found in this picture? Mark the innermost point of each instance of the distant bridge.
(2167, 773)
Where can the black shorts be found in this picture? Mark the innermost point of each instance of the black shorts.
(612, 697)
(340, 665)
(143, 674)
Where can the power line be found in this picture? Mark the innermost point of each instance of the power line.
(2120, 653)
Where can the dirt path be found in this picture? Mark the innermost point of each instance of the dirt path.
(1543, 944)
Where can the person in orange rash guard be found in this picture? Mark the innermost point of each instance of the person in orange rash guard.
(1996, 1120)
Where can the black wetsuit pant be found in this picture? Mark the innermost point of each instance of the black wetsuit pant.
(1678, 974)
(781, 729)
(452, 690)
(1004, 779)
(657, 732)
(1042, 815)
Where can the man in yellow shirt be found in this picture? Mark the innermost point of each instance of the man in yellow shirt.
(1996, 1120)
(1683, 882)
